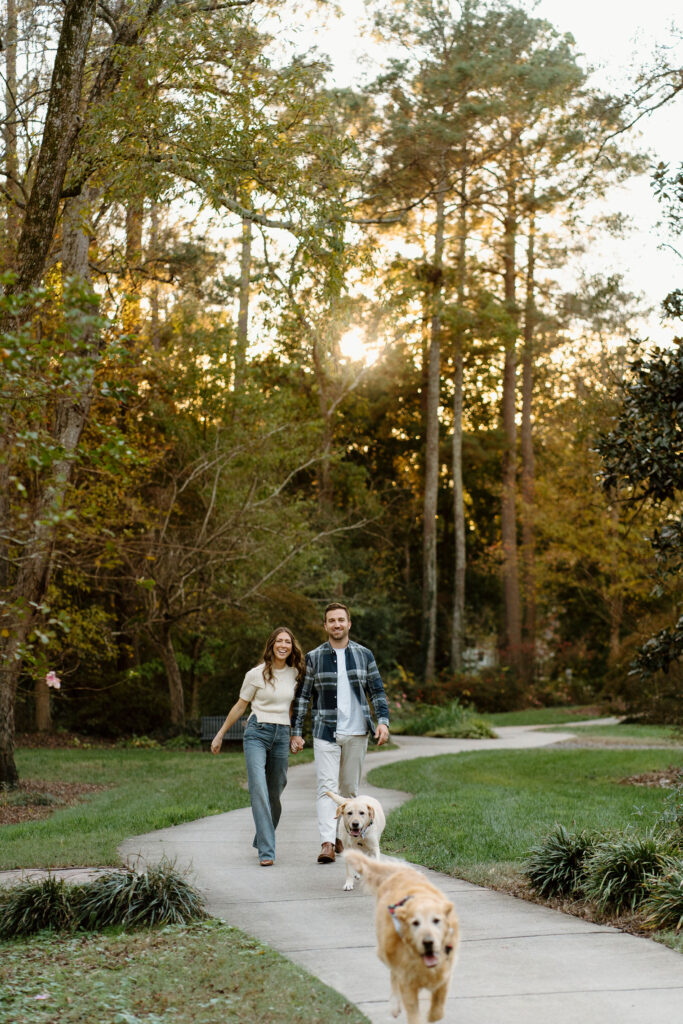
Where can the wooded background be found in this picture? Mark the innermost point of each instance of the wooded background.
(268, 343)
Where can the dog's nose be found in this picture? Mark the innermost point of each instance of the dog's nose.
(428, 945)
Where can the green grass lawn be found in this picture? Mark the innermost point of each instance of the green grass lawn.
(545, 716)
(196, 974)
(476, 815)
(146, 790)
(631, 732)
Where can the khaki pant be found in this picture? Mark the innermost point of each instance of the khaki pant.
(338, 767)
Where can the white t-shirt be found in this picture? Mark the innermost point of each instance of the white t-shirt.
(270, 701)
(350, 717)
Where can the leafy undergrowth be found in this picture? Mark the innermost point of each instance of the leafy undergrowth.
(196, 974)
(448, 720)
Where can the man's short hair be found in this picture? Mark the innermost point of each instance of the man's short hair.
(335, 604)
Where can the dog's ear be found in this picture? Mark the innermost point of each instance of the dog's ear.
(371, 811)
(448, 909)
(340, 810)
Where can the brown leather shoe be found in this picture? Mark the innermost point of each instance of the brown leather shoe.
(338, 846)
(326, 855)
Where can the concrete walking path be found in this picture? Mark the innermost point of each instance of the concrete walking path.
(519, 962)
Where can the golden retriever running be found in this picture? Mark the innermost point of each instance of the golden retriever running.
(417, 933)
(364, 822)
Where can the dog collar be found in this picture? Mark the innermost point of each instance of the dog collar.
(361, 834)
(392, 909)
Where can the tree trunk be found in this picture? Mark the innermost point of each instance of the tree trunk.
(615, 598)
(163, 642)
(528, 467)
(153, 254)
(242, 341)
(59, 135)
(70, 416)
(42, 711)
(10, 132)
(459, 536)
(512, 639)
(131, 313)
(432, 461)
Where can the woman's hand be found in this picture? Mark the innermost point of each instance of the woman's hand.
(217, 743)
(296, 744)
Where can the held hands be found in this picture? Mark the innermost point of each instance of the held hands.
(381, 734)
(296, 744)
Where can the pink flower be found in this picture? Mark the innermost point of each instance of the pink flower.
(52, 679)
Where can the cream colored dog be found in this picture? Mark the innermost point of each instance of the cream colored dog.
(364, 823)
(417, 933)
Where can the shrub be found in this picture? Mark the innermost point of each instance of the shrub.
(158, 895)
(663, 906)
(31, 907)
(556, 866)
(451, 719)
(620, 870)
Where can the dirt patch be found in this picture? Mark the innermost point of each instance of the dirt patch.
(666, 778)
(32, 800)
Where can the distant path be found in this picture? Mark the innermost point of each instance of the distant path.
(520, 963)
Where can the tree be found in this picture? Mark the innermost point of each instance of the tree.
(644, 449)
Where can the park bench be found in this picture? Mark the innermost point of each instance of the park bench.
(210, 724)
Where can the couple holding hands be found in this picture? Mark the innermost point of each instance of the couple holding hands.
(342, 679)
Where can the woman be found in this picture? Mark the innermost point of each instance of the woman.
(269, 688)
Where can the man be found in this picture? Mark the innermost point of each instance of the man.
(342, 678)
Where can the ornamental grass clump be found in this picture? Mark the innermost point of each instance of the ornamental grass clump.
(31, 907)
(126, 898)
(158, 895)
(663, 907)
(555, 867)
(621, 870)
(447, 720)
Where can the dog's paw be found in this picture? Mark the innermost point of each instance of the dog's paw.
(394, 1005)
(348, 884)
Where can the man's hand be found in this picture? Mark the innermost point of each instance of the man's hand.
(296, 744)
(381, 734)
(216, 743)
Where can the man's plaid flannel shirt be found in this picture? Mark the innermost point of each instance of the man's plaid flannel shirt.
(320, 684)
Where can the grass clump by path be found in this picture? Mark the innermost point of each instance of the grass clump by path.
(196, 974)
(447, 720)
(133, 899)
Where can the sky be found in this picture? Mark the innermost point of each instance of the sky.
(614, 36)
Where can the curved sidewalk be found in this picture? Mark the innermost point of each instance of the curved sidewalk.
(519, 962)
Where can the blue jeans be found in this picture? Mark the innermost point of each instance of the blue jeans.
(266, 751)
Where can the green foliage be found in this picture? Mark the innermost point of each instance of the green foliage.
(451, 719)
(156, 896)
(33, 906)
(619, 870)
(663, 905)
(645, 449)
(556, 866)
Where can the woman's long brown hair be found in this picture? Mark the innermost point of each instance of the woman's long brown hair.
(295, 658)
